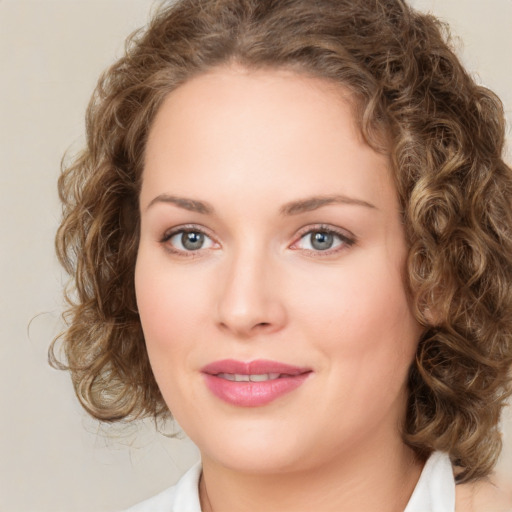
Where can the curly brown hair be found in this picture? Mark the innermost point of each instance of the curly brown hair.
(413, 99)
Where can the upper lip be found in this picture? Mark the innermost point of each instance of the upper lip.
(256, 367)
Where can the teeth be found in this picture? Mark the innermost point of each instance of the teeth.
(236, 377)
(265, 376)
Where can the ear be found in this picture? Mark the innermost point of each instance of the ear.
(429, 310)
(432, 318)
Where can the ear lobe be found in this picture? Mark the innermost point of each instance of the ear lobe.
(427, 314)
(430, 316)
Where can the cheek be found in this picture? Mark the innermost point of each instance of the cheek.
(167, 299)
(169, 305)
(169, 308)
(370, 349)
(362, 317)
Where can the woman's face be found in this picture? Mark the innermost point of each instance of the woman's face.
(269, 272)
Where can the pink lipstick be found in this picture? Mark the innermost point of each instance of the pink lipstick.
(254, 383)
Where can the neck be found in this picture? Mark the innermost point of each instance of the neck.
(379, 477)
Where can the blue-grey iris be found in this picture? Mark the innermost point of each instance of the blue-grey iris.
(321, 240)
(192, 240)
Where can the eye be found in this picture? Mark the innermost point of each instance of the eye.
(323, 239)
(187, 240)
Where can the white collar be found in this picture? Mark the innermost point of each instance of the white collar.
(434, 492)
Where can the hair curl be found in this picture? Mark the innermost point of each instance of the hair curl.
(445, 135)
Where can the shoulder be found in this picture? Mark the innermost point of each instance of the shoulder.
(482, 496)
(160, 502)
(182, 496)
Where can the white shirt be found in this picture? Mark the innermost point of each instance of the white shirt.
(434, 492)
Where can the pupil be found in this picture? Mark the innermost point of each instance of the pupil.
(322, 241)
(192, 241)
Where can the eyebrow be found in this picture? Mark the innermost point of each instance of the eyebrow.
(192, 205)
(313, 203)
(292, 208)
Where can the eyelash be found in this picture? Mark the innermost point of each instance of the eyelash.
(346, 240)
(182, 230)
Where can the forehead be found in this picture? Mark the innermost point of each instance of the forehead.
(260, 129)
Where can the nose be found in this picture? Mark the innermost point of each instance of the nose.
(251, 299)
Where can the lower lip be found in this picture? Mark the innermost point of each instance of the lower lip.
(253, 394)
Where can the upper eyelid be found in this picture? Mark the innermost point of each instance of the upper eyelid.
(168, 233)
(302, 230)
(343, 233)
(348, 240)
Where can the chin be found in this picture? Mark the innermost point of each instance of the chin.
(250, 460)
(254, 450)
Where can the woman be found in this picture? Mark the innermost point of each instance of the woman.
(291, 229)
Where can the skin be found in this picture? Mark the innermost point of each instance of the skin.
(248, 143)
(482, 496)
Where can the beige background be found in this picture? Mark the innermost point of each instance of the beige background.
(52, 457)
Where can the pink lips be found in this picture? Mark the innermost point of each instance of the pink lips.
(254, 383)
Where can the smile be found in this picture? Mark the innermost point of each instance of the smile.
(238, 377)
(253, 384)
